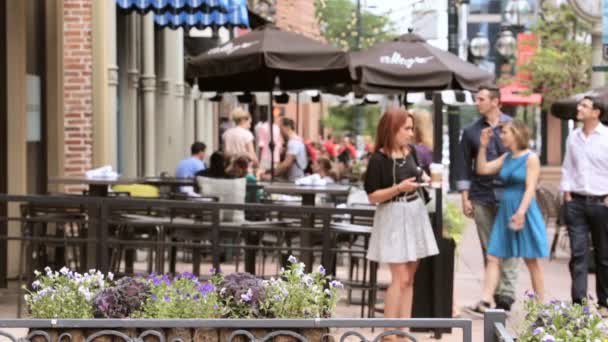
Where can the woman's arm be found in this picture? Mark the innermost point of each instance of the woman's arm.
(383, 195)
(484, 167)
(251, 154)
(532, 175)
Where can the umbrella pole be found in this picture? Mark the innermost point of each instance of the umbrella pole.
(271, 144)
(298, 112)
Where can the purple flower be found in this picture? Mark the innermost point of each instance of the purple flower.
(166, 279)
(292, 259)
(530, 294)
(336, 284)
(586, 310)
(247, 296)
(538, 331)
(212, 270)
(216, 307)
(157, 281)
(154, 297)
(205, 288)
(36, 284)
(167, 299)
(548, 338)
(196, 297)
(322, 269)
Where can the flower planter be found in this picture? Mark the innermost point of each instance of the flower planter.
(180, 334)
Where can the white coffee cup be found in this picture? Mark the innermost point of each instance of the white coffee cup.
(436, 175)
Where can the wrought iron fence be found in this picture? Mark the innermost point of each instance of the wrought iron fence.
(234, 329)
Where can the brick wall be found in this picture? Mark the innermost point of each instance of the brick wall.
(298, 16)
(77, 86)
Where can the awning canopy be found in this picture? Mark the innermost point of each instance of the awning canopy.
(514, 94)
(191, 13)
(236, 16)
(174, 6)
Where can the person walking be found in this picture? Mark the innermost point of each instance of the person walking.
(519, 230)
(584, 184)
(479, 193)
(402, 232)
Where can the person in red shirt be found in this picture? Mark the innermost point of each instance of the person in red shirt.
(330, 147)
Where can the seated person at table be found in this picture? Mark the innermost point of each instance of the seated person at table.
(240, 167)
(324, 168)
(188, 167)
(217, 166)
(296, 158)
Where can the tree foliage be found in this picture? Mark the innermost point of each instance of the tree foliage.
(338, 23)
(343, 119)
(562, 64)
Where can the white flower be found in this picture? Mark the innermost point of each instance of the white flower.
(64, 271)
(110, 276)
(308, 280)
(223, 291)
(37, 273)
(327, 292)
(292, 259)
(336, 284)
(36, 284)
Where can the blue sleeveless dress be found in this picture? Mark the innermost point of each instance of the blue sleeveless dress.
(531, 241)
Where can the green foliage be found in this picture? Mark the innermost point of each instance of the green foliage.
(561, 321)
(343, 118)
(562, 64)
(453, 222)
(64, 294)
(182, 297)
(338, 22)
(296, 294)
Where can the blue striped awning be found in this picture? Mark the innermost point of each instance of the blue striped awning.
(235, 16)
(174, 6)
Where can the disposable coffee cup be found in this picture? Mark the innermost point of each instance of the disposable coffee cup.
(436, 175)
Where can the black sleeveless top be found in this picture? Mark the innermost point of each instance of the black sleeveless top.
(379, 174)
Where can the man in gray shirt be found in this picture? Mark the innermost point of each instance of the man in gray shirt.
(296, 158)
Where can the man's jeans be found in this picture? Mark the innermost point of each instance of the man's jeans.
(583, 217)
(485, 214)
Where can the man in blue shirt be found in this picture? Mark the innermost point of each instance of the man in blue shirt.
(188, 167)
(480, 194)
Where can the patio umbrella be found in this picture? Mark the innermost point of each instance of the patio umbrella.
(267, 58)
(408, 63)
(253, 61)
(565, 109)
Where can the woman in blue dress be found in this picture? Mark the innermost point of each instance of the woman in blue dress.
(519, 230)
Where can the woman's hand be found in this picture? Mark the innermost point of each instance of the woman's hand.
(408, 185)
(486, 134)
(517, 221)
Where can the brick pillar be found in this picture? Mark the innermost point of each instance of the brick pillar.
(77, 87)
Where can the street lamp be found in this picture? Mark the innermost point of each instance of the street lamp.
(518, 13)
(506, 44)
(480, 46)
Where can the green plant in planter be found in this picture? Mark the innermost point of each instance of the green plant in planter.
(184, 296)
(453, 222)
(296, 294)
(65, 294)
(561, 321)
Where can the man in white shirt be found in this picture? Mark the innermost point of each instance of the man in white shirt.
(585, 187)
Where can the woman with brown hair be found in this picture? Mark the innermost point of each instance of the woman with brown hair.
(519, 230)
(402, 232)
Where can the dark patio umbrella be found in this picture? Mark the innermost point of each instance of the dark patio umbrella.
(408, 63)
(566, 108)
(268, 58)
(253, 61)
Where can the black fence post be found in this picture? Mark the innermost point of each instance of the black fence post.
(215, 237)
(327, 258)
(103, 232)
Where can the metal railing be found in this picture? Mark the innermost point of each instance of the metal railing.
(330, 329)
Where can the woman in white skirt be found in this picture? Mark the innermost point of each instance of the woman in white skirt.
(402, 232)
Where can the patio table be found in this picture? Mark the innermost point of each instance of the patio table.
(308, 194)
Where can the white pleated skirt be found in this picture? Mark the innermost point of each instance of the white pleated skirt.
(402, 232)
